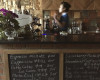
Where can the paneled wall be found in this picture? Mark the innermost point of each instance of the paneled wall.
(50, 4)
(76, 4)
(88, 11)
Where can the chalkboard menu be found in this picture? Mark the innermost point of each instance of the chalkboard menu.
(81, 66)
(34, 66)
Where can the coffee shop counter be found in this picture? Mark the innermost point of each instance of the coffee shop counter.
(54, 41)
(48, 44)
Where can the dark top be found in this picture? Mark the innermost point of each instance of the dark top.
(64, 18)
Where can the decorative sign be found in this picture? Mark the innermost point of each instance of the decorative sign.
(81, 66)
(77, 14)
(34, 66)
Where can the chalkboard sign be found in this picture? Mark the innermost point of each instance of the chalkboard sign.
(81, 66)
(34, 66)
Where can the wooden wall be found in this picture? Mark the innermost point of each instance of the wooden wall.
(76, 4)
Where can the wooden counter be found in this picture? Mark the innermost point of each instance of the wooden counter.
(49, 44)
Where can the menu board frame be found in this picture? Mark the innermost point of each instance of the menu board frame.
(7, 52)
(84, 60)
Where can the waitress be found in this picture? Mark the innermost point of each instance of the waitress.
(63, 21)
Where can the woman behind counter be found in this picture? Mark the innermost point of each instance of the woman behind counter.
(63, 22)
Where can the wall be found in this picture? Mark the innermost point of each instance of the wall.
(34, 6)
(76, 4)
(87, 10)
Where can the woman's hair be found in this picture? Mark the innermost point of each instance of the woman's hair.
(66, 5)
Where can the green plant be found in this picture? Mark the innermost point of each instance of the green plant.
(7, 19)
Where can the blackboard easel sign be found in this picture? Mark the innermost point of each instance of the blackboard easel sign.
(34, 66)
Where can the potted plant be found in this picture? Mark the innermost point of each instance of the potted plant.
(8, 23)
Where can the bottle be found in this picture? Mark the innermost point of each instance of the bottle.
(55, 26)
(72, 27)
(47, 24)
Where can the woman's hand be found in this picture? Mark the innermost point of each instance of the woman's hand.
(55, 16)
